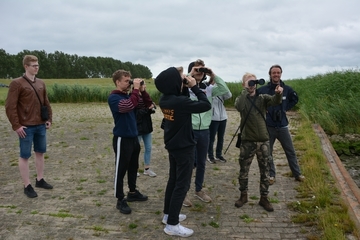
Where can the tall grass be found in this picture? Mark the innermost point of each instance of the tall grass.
(331, 100)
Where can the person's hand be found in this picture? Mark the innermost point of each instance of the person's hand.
(47, 124)
(190, 81)
(21, 132)
(279, 89)
(137, 82)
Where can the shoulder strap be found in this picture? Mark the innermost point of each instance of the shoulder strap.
(247, 115)
(34, 90)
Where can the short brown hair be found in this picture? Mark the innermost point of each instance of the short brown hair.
(28, 59)
(275, 66)
(199, 62)
(117, 75)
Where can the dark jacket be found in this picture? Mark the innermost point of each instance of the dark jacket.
(123, 108)
(276, 115)
(143, 114)
(23, 106)
(255, 129)
(177, 109)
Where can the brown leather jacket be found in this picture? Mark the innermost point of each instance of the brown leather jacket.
(23, 106)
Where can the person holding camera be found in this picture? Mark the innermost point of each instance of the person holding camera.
(277, 123)
(26, 97)
(201, 122)
(125, 140)
(254, 137)
(145, 108)
(179, 141)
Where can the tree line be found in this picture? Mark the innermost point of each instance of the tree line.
(59, 65)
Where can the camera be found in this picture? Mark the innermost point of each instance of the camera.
(260, 81)
(152, 110)
(204, 70)
(132, 82)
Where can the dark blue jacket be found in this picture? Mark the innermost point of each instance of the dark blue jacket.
(276, 115)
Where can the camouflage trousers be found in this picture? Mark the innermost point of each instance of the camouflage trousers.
(247, 153)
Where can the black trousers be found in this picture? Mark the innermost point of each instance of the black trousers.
(127, 152)
(181, 167)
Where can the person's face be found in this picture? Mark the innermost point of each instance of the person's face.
(198, 75)
(275, 75)
(32, 68)
(123, 84)
(245, 84)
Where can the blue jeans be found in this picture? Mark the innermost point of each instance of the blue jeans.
(147, 144)
(34, 134)
(216, 127)
(202, 145)
(284, 137)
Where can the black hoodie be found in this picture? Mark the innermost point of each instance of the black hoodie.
(177, 109)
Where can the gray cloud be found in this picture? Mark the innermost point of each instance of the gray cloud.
(232, 37)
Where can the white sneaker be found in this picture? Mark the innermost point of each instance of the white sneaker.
(178, 230)
(182, 217)
(150, 173)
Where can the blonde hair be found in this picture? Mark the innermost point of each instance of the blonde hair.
(28, 59)
(247, 75)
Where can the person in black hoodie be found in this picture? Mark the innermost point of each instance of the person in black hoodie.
(179, 141)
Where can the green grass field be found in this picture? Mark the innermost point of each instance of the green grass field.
(106, 83)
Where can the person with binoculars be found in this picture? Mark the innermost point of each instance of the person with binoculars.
(254, 137)
(125, 140)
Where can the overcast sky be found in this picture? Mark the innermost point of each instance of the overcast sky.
(305, 37)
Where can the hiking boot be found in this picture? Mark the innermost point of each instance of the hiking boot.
(211, 160)
(203, 196)
(264, 202)
(272, 180)
(242, 200)
(221, 159)
(300, 178)
(178, 230)
(43, 184)
(150, 173)
(187, 202)
(123, 206)
(30, 192)
(182, 217)
(136, 196)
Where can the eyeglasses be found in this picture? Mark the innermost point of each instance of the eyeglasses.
(34, 66)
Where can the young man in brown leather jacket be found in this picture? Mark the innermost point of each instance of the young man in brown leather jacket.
(23, 109)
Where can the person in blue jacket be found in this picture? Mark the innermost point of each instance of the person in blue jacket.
(277, 122)
(126, 145)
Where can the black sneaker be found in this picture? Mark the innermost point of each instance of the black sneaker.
(43, 184)
(123, 206)
(221, 159)
(29, 191)
(136, 196)
(211, 160)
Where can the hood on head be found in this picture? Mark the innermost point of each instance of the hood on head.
(169, 81)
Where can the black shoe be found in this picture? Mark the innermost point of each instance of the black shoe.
(43, 184)
(221, 159)
(123, 206)
(29, 191)
(136, 196)
(211, 160)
